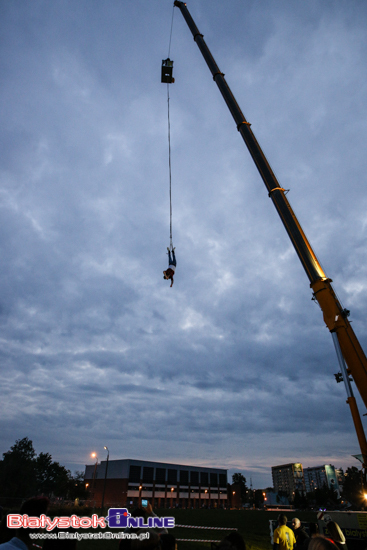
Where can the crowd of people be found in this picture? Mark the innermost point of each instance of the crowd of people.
(297, 538)
(284, 537)
(21, 539)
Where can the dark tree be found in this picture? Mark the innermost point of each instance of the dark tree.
(52, 478)
(240, 480)
(258, 498)
(300, 501)
(325, 497)
(77, 487)
(23, 475)
(17, 470)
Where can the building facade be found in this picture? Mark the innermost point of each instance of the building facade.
(320, 476)
(125, 482)
(288, 478)
(339, 472)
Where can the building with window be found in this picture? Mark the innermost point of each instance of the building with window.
(288, 478)
(339, 472)
(320, 476)
(125, 482)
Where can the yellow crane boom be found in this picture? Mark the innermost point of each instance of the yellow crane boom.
(346, 342)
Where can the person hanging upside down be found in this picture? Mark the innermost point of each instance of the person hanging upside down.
(169, 273)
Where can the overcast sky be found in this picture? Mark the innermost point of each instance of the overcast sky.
(232, 367)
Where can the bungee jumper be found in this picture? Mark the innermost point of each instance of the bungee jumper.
(169, 273)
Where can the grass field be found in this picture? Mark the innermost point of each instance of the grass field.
(252, 524)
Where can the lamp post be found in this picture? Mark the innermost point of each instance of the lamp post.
(105, 476)
(94, 455)
(171, 497)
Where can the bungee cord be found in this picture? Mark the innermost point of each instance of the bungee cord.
(169, 141)
(170, 173)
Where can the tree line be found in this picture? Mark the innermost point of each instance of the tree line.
(24, 474)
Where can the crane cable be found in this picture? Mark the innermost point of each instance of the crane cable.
(169, 147)
(170, 175)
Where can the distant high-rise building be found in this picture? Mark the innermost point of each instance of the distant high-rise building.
(339, 472)
(289, 479)
(320, 476)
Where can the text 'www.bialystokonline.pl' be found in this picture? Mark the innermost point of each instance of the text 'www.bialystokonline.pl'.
(89, 536)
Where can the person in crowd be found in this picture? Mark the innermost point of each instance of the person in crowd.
(302, 537)
(283, 538)
(145, 512)
(336, 535)
(233, 541)
(168, 542)
(5, 533)
(151, 543)
(236, 540)
(125, 544)
(22, 541)
(313, 529)
(319, 542)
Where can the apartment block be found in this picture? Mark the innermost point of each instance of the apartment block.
(289, 479)
(320, 476)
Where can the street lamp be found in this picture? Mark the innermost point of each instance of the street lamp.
(171, 497)
(105, 476)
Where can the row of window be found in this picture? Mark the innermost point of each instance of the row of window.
(169, 489)
(171, 475)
